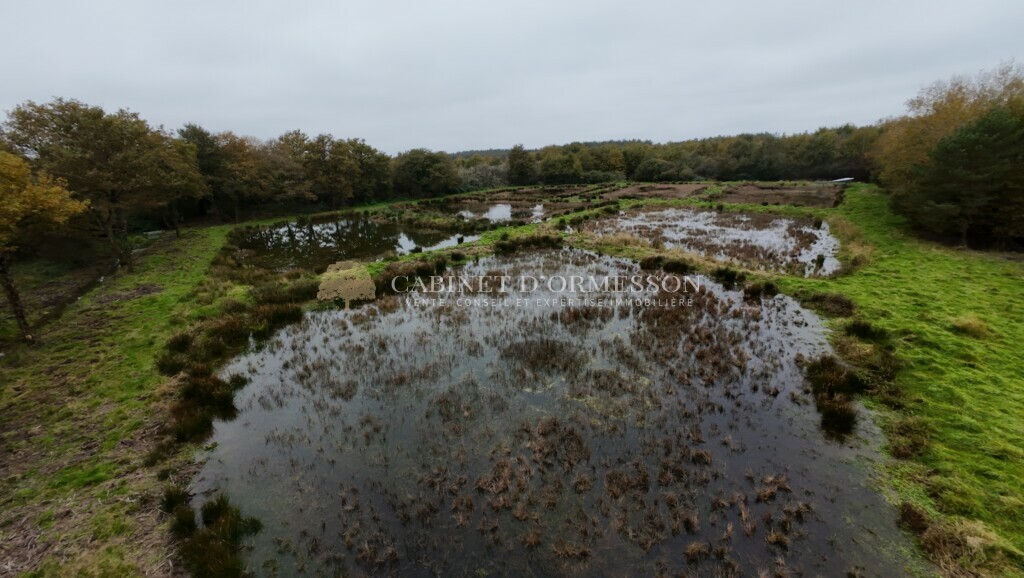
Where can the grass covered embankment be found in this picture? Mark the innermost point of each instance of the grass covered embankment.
(955, 416)
(79, 414)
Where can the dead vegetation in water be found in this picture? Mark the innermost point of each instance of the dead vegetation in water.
(209, 548)
(543, 356)
(509, 245)
(634, 420)
(751, 240)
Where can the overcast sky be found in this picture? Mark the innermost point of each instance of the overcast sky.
(468, 75)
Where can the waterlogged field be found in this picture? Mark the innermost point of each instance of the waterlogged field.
(315, 245)
(549, 438)
(402, 228)
(754, 240)
(519, 206)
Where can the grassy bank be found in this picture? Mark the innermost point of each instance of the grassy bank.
(956, 319)
(79, 413)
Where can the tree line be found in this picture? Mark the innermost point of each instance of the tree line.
(136, 176)
(827, 153)
(954, 164)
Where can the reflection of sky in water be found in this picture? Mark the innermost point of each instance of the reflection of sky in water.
(495, 213)
(405, 244)
(503, 212)
(320, 244)
(712, 234)
(351, 414)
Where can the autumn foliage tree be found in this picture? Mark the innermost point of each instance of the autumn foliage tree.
(954, 162)
(116, 161)
(973, 185)
(27, 200)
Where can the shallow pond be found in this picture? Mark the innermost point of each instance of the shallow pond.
(756, 240)
(315, 245)
(502, 212)
(522, 434)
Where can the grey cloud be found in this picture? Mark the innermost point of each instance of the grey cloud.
(458, 75)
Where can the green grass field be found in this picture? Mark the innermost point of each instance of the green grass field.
(957, 317)
(79, 410)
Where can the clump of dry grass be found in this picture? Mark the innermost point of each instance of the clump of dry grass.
(697, 551)
(971, 325)
(959, 544)
(626, 240)
(831, 304)
(855, 252)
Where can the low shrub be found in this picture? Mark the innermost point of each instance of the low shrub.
(183, 521)
(913, 518)
(277, 315)
(209, 393)
(864, 330)
(173, 497)
(214, 549)
(171, 363)
(756, 291)
(728, 276)
(829, 376)
(677, 266)
(838, 415)
(233, 306)
(231, 330)
(831, 304)
(651, 263)
(190, 422)
(179, 342)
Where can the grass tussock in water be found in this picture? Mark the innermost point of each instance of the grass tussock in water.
(212, 549)
(728, 276)
(568, 432)
(508, 246)
(757, 291)
(834, 384)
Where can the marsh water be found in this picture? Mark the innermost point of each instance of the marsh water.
(502, 212)
(313, 245)
(755, 240)
(527, 434)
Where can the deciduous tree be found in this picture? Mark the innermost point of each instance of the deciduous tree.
(521, 168)
(973, 184)
(422, 173)
(116, 161)
(27, 200)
